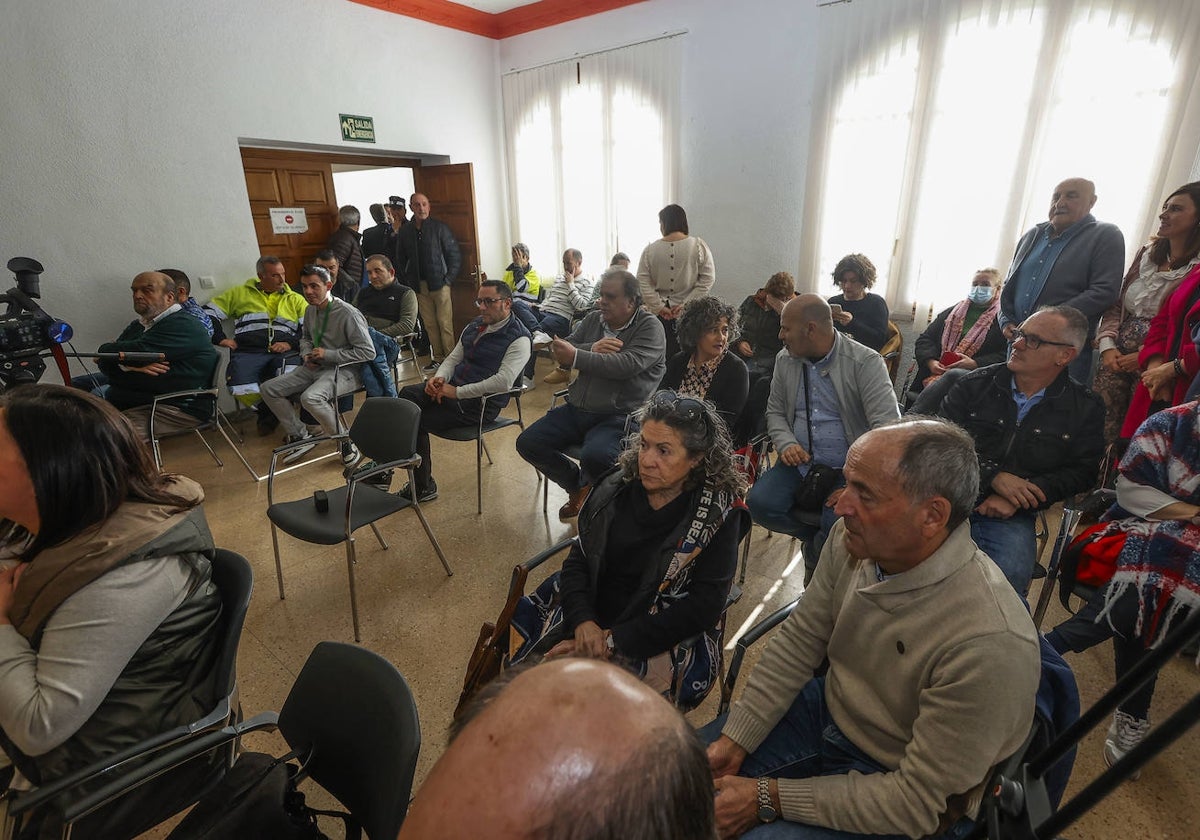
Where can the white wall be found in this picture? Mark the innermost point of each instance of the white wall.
(748, 73)
(120, 127)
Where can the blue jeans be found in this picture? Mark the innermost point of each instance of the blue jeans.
(95, 383)
(807, 743)
(1010, 543)
(598, 435)
(555, 325)
(377, 373)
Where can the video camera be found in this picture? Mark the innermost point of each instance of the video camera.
(26, 330)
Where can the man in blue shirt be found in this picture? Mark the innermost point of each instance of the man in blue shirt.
(1069, 260)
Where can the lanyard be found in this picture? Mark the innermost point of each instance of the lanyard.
(318, 334)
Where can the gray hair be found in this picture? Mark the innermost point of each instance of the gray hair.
(263, 262)
(629, 283)
(522, 249)
(705, 435)
(349, 215)
(938, 459)
(1077, 326)
(701, 315)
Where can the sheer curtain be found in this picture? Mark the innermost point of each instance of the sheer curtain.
(591, 152)
(942, 126)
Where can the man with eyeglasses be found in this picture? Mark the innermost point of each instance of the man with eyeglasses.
(1038, 433)
(487, 359)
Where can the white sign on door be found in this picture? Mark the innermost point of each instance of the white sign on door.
(288, 220)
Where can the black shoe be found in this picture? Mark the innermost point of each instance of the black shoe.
(425, 494)
(431, 367)
(383, 481)
(267, 423)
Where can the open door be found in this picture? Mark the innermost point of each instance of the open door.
(450, 189)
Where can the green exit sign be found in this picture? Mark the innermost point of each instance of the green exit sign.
(358, 129)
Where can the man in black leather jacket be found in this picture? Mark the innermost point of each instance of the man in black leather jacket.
(1038, 433)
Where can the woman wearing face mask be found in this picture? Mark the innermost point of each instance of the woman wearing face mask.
(960, 339)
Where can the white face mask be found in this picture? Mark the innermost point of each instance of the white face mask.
(980, 294)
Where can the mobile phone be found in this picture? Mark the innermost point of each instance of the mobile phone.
(836, 307)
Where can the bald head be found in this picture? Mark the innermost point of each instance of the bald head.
(153, 293)
(572, 742)
(806, 327)
(1072, 200)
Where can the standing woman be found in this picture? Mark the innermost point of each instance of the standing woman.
(856, 312)
(674, 270)
(1153, 275)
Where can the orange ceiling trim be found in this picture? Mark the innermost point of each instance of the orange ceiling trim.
(533, 16)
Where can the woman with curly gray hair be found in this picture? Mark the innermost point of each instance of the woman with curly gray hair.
(704, 368)
(655, 557)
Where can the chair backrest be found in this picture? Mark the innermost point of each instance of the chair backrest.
(234, 579)
(356, 714)
(385, 428)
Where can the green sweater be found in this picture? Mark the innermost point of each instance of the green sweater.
(932, 673)
(188, 350)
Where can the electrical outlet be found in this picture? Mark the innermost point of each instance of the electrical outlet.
(207, 282)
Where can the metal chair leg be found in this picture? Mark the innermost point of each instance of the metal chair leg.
(480, 448)
(429, 533)
(379, 536)
(745, 555)
(486, 451)
(203, 440)
(278, 565)
(236, 449)
(350, 561)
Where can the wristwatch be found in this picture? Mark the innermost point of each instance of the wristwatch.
(766, 811)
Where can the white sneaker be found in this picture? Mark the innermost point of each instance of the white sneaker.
(541, 339)
(1125, 733)
(350, 454)
(300, 451)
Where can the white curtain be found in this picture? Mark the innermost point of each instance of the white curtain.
(591, 152)
(942, 126)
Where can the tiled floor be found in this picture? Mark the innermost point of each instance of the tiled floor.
(426, 623)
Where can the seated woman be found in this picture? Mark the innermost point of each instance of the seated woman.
(1155, 585)
(704, 368)
(961, 338)
(655, 557)
(759, 343)
(856, 312)
(109, 621)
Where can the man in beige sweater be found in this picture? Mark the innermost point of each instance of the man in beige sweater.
(933, 663)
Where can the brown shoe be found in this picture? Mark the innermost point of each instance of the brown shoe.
(558, 376)
(571, 509)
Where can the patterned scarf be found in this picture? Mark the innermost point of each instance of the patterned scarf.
(953, 340)
(698, 378)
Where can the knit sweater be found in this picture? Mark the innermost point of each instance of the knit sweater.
(188, 351)
(617, 383)
(932, 672)
(671, 273)
(343, 334)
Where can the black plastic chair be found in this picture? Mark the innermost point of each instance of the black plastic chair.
(739, 651)
(477, 431)
(234, 579)
(385, 430)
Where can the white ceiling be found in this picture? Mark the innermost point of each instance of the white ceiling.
(494, 6)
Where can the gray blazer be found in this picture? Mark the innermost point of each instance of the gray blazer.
(1087, 274)
(860, 379)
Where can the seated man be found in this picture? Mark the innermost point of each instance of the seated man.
(620, 353)
(391, 312)
(161, 327)
(1038, 433)
(933, 663)
(334, 332)
(550, 319)
(847, 386)
(570, 748)
(183, 296)
(486, 360)
(266, 315)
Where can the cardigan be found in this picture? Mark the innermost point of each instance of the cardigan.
(672, 273)
(727, 391)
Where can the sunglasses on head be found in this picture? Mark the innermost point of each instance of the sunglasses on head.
(689, 408)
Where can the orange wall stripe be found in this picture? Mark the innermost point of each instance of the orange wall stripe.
(533, 16)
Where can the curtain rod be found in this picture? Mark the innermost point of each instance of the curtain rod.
(580, 56)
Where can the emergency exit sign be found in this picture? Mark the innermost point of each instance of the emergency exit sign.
(358, 129)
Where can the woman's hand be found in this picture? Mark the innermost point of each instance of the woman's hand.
(965, 363)
(1128, 363)
(8, 583)
(744, 349)
(936, 368)
(1159, 380)
(843, 317)
(1109, 360)
(591, 641)
(666, 313)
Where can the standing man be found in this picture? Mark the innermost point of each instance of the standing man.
(1039, 435)
(391, 312)
(162, 326)
(620, 353)
(326, 259)
(345, 244)
(334, 332)
(428, 259)
(487, 360)
(266, 315)
(1072, 260)
(826, 382)
(397, 216)
(933, 662)
(374, 238)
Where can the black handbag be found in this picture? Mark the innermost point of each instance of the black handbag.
(820, 480)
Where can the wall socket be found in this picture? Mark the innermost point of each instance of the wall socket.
(207, 281)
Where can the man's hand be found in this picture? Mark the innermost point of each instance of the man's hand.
(277, 347)
(232, 345)
(590, 641)
(736, 805)
(8, 583)
(725, 757)
(433, 387)
(449, 391)
(153, 369)
(1008, 331)
(1018, 491)
(563, 352)
(843, 317)
(832, 499)
(743, 348)
(997, 507)
(608, 345)
(794, 455)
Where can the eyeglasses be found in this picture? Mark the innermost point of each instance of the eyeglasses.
(482, 302)
(690, 409)
(1033, 342)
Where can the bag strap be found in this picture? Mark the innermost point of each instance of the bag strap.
(808, 408)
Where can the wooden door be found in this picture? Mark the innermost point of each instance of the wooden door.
(290, 179)
(450, 189)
